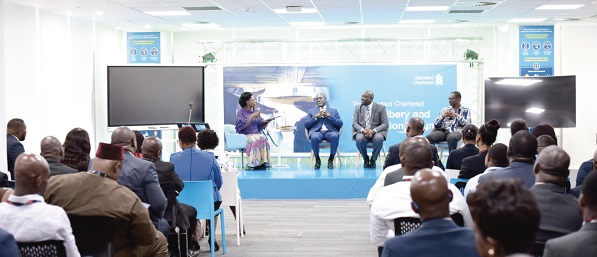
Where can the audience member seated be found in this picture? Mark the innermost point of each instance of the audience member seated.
(521, 151)
(394, 200)
(369, 125)
(26, 216)
(585, 168)
(414, 127)
(450, 122)
(194, 165)
(249, 122)
(545, 129)
(16, 131)
(474, 165)
(469, 134)
(582, 243)
(139, 138)
(506, 218)
(140, 176)
(77, 149)
(497, 158)
(518, 125)
(51, 150)
(8, 245)
(396, 176)
(134, 233)
(186, 218)
(5, 193)
(544, 141)
(431, 199)
(559, 210)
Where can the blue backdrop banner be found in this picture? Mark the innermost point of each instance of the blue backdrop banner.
(287, 91)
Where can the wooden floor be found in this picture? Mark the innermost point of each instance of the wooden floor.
(309, 228)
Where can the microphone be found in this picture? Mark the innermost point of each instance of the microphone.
(190, 111)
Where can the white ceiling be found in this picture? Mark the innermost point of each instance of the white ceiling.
(129, 14)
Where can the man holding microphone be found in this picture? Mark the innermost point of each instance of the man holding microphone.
(322, 123)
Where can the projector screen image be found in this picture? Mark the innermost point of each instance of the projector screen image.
(537, 100)
(154, 95)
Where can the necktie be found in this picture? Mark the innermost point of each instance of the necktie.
(367, 119)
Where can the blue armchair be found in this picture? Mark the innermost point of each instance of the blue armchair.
(234, 141)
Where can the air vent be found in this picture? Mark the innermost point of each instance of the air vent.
(466, 11)
(566, 19)
(474, 4)
(203, 8)
(352, 22)
(201, 22)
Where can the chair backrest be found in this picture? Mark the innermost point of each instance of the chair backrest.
(49, 248)
(232, 140)
(229, 189)
(229, 129)
(170, 192)
(460, 183)
(451, 173)
(93, 235)
(405, 225)
(199, 194)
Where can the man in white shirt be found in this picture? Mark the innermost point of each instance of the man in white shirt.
(394, 200)
(26, 216)
(495, 159)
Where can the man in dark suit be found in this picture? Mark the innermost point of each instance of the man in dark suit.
(8, 245)
(51, 150)
(409, 166)
(559, 210)
(323, 122)
(582, 243)
(415, 127)
(369, 124)
(521, 151)
(16, 131)
(140, 176)
(430, 199)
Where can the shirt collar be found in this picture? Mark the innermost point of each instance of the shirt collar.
(407, 178)
(25, 198)
(15, 137)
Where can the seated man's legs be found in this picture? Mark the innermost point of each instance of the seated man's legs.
(361, 142)
(453, 139)
(377, 144)
(316, 138)
(163, 226)
(159, 247)
(333, 138)
(191, 214)
(436, 136)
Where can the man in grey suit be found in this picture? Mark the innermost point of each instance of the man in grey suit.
(369, 124)
(521, 152)
(582, 243)
(559, 210)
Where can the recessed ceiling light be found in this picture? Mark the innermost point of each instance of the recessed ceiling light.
(99, 13)
(169, 13)
(559, 6)
(306, 23)
(426, 8)
(147, 26)
(302, 10)
(416, 21)
(518, 82)
(535, 110)
(528, 20)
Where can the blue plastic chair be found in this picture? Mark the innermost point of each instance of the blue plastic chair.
(460, 183)
(234, 141)
(200, 195)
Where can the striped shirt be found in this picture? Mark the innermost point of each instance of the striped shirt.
(453, 123)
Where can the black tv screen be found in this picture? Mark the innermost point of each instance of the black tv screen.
(154, 95)
(550, 100)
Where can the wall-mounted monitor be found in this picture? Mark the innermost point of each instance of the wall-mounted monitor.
(537, 100)
(155, 95)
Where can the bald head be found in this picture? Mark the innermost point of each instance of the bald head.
(552, 165)
(523, 145)
(544, 141)
(125, 137)
(31, 174)
(430, 194)
(416, 156)
(416, 126)
(152, 148)
(51, 148)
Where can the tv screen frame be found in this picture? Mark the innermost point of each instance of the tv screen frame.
(556, 95)
(155, 96)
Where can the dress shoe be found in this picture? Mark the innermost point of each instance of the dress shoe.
(366, 161)
(331, 162)
(372, 164)
(216, 245)
(317, 163)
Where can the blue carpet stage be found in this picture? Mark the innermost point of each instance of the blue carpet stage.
(301, 182)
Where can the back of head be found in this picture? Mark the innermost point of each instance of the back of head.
(152, 147)
(589, 191)
(518, 125)
(417, 126)
(544, 141)
(15, 124)
(51, 148)
(187, 135)
(124, 136)
(469, 132)
(553, 161)
(499, 155)
(430, 194)
(488, 131)
(31, 174)
(244, 97)
(545, 129)
(507, 212)
(77, 147)
(207, 139)
(523, 144)
(417, 155)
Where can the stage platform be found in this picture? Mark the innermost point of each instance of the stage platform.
(298, 181)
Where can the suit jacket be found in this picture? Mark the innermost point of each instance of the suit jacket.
(393, 177)
(434, 237)
(13, 149)
(519, 170)
(8, 245)
(334, 123)
(559, 211)
(457, 155)
(582, 243)
(57, 168)
(379, 119)
(473, 166)
(393, 156)
(583, 171)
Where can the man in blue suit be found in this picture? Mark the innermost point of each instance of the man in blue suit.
(438, 235)
(16, 131)
(8, 245)
(323, 122)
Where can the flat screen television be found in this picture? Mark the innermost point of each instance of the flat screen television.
(155, 95)
(537, 100)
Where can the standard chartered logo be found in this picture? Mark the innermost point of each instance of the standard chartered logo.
(437, 80)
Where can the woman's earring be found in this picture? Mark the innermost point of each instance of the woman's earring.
(491, 252)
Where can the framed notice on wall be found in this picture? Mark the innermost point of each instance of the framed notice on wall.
(143, 47)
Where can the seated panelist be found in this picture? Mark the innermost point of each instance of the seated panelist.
(322, 123)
